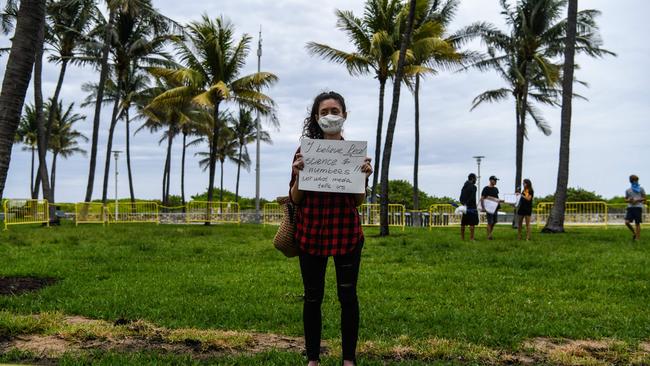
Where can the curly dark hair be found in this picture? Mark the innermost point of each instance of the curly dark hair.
(310, 128)
(528, 184)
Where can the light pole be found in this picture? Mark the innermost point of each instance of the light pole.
(257, 125)
(478, 165)
(116, 154)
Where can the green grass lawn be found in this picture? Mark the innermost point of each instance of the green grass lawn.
(416, 285)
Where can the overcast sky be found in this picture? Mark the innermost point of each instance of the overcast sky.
(609, 132)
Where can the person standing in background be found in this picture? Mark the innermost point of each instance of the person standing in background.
(525, 208)
(635, 197)
(468, 199)
(491, 192)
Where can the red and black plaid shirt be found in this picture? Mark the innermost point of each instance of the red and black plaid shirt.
(328, 223)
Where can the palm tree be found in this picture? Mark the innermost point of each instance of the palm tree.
(392, 119)
(213, 61)
(27, 133)
(64, 138)
(169, 119)
(71, 21)
(174, 114)
(524, 58)
(245, 130)
(376, 40)
(135, 44)
(135, 9)
(430, 52)
(555, 221)
(228, 148)
(26, 42)
(134, 85)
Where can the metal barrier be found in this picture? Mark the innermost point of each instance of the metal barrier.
(132, 212)
(370, 215)
(213, 212)
(89, 213)
(576, 213)
(272, 213)
(417, 218)
(171, 209)
(617, 212)
(443, 215)
(27, 211)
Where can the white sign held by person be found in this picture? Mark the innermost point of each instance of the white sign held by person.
(333, 166)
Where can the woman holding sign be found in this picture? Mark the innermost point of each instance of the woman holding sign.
(525, 208)
(328, 224)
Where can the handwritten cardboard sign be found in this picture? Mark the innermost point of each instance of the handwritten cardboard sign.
(333, 166)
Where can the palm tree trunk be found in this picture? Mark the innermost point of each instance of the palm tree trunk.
(169, 165)
(221, 185)
(380, 121)
(53, 174)
(392, 121)
(33, 192)
(213, 151)
(519, 149)
(57, 91)
(18, 72)
(183, 170)
(98, 107)
(109, 143)
(238, 170)
(167, 171)
(128, 154)
(54, 106)
(416, 160)
(164, 183)
(555, 222)
(519, 153)
(40, 121)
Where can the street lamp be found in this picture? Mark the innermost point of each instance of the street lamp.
(257, 127)
(478, 165)
(116, 154)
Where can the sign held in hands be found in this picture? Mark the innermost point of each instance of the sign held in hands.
(333, 166)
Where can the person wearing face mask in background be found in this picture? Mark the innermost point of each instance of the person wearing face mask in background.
(327, 225)
(635, 197)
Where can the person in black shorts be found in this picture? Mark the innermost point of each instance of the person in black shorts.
(491, 192)
(468, 199)
(525, 208)
(635, 197)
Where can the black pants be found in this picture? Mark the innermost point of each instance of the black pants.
(313, 278)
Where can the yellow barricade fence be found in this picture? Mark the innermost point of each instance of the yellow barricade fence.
(272, 213)
(89, 213)
(370, 212)
(576, 213)
(213, 212)
(171, 209)
(27, 211)
(132, 212)
(443, 215)
(617, 212)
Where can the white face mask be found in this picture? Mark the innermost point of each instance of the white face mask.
(331, 123)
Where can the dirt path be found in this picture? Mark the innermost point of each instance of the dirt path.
(79, 334)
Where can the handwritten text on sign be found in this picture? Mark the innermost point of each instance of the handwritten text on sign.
(333, 166)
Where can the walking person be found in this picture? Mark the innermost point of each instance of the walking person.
(328, 225)
(635, 197)
(468, 199)
(491, 192)
(525, 208)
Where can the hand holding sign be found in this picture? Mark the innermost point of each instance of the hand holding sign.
(333, 166)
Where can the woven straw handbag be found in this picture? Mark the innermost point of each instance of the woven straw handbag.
(284, 239)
